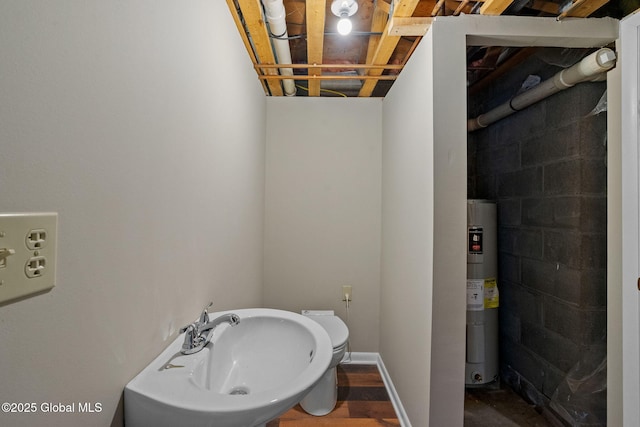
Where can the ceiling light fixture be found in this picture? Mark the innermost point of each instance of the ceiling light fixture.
(344, 9)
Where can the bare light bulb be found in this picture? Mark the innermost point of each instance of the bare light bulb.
(344, 25)
(344, 9)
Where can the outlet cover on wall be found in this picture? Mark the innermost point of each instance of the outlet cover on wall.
(347, 293)
(27, 254)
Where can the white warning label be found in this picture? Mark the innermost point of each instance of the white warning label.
(475, 294)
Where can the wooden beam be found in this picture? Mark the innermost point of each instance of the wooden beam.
(495, 7)
(315, 13)
(326, 77)
(333, 66)
(518, 58)
(384, 6)
(255, 26)
(545, 6)
(582, 8)
(461, 6)
(386, 45)
(402, 26)
(245, 39)
(405, 7)
(437, 8)
(413, 47)
(378, 23)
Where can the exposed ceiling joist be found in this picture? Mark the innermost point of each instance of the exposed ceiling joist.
(495, 7)
(338, 77)
(460, 7)
(243, 35)
(378, 24)
(315, 15)
(252, 14)
(582, 8)
(334, 67)
(384, 6)
(387, 44)
(437, 8)
(386, 32)
(545, 6)
(409, 26)
(519, 57)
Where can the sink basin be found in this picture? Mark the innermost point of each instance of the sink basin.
(247, 375)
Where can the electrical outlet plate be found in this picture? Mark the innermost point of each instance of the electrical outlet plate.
(27, 254)
(347, 290)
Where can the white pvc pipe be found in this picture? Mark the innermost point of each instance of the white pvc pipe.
(276, 14)
(591, 68)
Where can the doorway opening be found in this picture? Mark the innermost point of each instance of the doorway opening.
(546, 167)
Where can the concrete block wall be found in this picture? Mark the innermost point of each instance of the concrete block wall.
(546, 168)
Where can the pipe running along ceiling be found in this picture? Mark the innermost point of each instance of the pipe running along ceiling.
(296, 49)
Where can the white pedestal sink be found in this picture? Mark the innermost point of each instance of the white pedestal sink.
(247, 375)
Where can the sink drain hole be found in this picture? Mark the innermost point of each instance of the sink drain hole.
(239, 391)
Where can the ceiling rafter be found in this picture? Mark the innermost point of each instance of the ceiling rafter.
(259, 37)
(573, 8)
(245, 39)
(545, 6)
(315, 16)
(337, 77)
(415, 26)
(495, 7)
(387, 44)
(378, 23)
(460, 7)
(582, 8)
(437, 8)
(395, 29)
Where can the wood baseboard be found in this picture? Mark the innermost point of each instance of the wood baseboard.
(364, 358)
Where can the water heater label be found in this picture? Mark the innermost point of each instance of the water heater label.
(491, 296)
(475, 294)
(475, 240)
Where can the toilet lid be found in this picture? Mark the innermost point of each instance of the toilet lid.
(335, 327)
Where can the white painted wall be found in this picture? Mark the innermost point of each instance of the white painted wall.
(146, 135)
(424, 263)
(406, 308)
(322, 214)
(450, 230)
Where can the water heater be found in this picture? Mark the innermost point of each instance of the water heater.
(482, 293)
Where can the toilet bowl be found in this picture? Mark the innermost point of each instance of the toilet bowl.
(323, 396)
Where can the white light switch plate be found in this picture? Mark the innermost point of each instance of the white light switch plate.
(27, 254)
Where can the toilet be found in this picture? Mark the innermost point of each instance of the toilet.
(323, 396)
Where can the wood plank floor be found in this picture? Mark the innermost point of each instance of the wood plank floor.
(363, 401)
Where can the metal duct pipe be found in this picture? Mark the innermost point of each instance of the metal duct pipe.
(591, 68)
(276, 14)
(342, 85)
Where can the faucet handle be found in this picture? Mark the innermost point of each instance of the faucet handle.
(189, 328)
(190, 337)
(204, 316)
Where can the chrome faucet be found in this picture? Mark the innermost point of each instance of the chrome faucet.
(198, 334)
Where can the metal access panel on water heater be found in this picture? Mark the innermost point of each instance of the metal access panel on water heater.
(482, 293)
